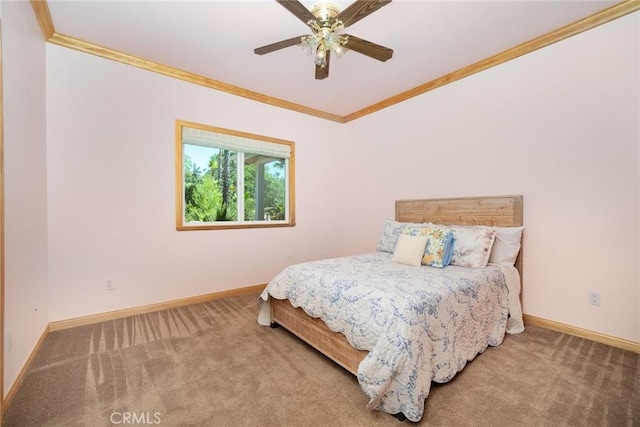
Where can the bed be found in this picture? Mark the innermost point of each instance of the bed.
(377, 319)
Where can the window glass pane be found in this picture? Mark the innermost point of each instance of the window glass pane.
(275, 190)
(231, 179)
(264, 188)
(210, 183)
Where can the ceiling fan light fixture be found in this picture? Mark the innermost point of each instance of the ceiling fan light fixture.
(337, 42)
(309, 45)
(326, 20)
(324, 39)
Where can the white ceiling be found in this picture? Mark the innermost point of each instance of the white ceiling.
(216, 39)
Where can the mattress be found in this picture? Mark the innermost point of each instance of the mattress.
(419, 324)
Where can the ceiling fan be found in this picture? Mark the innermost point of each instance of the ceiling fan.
(326, 20)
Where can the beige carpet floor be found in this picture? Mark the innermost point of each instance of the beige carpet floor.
(211, 364)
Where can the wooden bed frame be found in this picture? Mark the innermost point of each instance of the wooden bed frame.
(499, 211)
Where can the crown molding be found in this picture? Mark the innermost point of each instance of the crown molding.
(604, 16)
(124, 58)
(41, 9)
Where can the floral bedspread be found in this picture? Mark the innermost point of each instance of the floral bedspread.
(419, 324)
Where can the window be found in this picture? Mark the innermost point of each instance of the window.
(230, 179)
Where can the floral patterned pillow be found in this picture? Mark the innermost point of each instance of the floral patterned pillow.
(438, 251)
(390, 233)
(472, 246)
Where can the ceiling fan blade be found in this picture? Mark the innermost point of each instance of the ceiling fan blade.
(372, 50)
(298, 9)
(279, 45)
(359, 9)
(323, 73)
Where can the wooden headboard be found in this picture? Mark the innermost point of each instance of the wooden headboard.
(499, 211)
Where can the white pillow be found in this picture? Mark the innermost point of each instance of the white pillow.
(506, 247)
(409, 249)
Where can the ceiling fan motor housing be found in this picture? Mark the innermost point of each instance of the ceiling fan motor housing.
(325, 11)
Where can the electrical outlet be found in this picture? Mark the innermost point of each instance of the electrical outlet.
(594, 298)
(108, 285)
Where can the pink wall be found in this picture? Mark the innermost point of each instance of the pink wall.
(560, 126)
(111, 192)
(26, 290)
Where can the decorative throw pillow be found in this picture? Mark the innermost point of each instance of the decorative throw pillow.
(390, 232)
(472, 245)
(409, 249)
(439, 248)
(506, 247)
